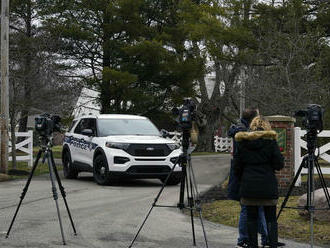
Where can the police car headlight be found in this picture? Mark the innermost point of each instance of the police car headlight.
(173, 146)
(113, 145)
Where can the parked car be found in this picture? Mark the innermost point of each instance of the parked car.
(115, 146)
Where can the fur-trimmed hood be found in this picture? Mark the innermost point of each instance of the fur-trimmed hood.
(250, 136)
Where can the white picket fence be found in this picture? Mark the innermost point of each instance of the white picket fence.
(300, 143)
(25, 146)
(223, 144)
(176, 136)
(220, 144)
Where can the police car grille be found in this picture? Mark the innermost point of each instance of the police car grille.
(148, 169)
(152, 150)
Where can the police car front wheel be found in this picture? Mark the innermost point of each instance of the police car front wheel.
(101, 170)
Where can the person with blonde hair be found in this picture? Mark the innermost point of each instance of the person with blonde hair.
(234, 185)
(255, 161)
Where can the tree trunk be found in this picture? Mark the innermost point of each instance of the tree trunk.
(105, 98)
(208, 130)
(210, 111)
(105, 95)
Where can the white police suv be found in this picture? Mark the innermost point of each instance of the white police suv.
(113, 146)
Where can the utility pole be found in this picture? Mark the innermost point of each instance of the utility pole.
(4, 85)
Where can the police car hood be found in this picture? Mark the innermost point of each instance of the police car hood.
(138, 139)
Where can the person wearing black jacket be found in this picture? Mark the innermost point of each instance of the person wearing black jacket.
(234, 184)
(255, 161)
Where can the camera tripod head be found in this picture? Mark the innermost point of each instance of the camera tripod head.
(312, 116)
(311, 137)
(46, 142)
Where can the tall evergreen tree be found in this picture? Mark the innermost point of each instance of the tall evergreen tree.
(133, 52)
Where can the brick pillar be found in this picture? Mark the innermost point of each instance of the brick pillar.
(284, 126)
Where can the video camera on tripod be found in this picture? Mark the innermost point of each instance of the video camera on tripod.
(313, 117)
(313, 122)
(185, 117)
(46, 124)
(186, 114)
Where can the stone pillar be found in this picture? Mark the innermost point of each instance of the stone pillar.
(284, 126)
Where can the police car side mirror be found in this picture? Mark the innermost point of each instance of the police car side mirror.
(87, 132)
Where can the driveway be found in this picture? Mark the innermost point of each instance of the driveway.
(109, 216)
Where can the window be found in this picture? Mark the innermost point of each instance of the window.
(72, 125)
(86, 123)
(108, 127)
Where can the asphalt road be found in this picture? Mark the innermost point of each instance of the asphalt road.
(110, 216)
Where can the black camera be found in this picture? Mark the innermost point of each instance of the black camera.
(46, 124)
(186, 114)
(313, 117)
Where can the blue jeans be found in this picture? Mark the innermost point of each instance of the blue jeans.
(242, 225)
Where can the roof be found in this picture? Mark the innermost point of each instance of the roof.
(115, 116)
(87, 103)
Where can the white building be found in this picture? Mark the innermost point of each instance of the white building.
(87, 103)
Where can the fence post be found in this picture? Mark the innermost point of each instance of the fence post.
(28, 141)
(297, 153)
(30, 147)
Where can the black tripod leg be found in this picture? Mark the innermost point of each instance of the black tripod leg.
(182, 186)
(154, 203)
(62, 191)
(25, 190)
(197, 200)
(55, 195)
(324, 185)
(291, 188)
(202, 223)
(191, 206)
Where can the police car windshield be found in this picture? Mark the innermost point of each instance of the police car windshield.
(144, 127)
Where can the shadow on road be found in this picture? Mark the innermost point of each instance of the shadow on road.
(127, 182)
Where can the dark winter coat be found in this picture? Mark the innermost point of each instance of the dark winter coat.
(233, 184)
(255, 162)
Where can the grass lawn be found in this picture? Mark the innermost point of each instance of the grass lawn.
(41, 168)
(316, 177)
(324, 163)
(57, 151)
(291, 224)
(22, 166)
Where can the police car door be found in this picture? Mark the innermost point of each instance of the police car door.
(78, 144)
(88, 133)
(84, 148)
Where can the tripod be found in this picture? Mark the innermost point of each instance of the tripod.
(48, 155)
(310, 162)
(188, 182)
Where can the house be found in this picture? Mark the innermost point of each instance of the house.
(87, 103)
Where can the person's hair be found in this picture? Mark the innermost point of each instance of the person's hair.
(249, 113)
(259, 123)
